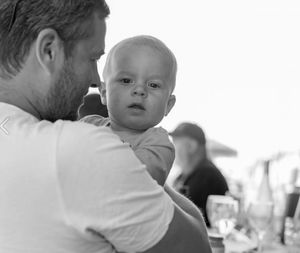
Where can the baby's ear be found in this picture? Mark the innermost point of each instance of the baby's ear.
(102, 91)
(171, 103)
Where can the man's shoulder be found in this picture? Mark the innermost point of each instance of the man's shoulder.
(85, 147)
(80, 133)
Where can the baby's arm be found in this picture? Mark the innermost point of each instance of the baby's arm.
(157, 152)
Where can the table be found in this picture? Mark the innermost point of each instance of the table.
(236, 247)
(238, 242)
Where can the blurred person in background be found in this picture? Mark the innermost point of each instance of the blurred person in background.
(198, 177)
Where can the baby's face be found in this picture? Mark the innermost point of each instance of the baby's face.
(138, 87)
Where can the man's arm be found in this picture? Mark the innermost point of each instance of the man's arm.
(187, 231)
(117, 200)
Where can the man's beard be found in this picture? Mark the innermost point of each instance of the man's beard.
(65, 96)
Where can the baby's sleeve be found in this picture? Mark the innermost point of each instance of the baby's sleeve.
(155, 150)
(96, 120)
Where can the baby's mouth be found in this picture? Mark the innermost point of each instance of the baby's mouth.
(137, 106)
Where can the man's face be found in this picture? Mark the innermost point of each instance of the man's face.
(78, 73)
(138, 87)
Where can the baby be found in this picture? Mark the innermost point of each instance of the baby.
(139, 78)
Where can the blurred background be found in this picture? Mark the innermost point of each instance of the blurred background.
(238, 75)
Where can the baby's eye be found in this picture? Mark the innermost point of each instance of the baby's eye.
(153, 85)
(126, 80)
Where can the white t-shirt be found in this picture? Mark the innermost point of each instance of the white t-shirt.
(152, 146)
(73, 187)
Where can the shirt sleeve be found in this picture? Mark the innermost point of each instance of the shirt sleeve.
(155, 149)
(107, 192)
(96, 120)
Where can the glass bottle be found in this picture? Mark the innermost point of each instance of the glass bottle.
(264, 193)
(264, 198)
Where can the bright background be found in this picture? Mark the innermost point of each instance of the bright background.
(239, 66)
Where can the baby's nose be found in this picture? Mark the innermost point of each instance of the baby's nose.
(139, 91)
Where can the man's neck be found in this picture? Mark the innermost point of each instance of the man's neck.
(10, 95)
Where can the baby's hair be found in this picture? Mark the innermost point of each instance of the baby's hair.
(144, 40)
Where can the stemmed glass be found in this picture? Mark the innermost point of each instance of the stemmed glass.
(260, 215)
(222, 213)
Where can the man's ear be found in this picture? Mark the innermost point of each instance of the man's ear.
(171, 103)
(102, 90)
(49, 50)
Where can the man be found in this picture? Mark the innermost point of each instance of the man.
(199, 177)
(69, 186)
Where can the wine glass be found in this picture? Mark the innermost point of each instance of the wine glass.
(222, 213)
(260, 215)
